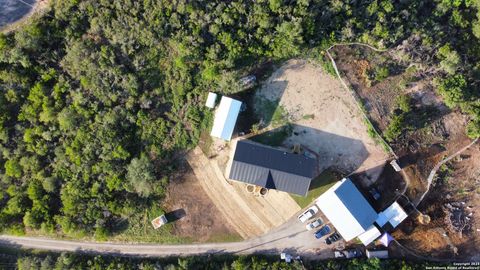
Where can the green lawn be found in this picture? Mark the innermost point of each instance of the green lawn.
(274, 137)
(137, 228)
(318, 186)
(271, 112)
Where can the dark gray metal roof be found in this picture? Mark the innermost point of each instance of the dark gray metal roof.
(356, 203)
(272, 168)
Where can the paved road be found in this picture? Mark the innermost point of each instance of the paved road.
(291, 237)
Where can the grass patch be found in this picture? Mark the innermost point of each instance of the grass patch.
(318, 186)
(327, 65)
(319, 56)
(274, 137)
(133, 229)
(271, 112)
(308, 116)
(137, 228)
(376, 138)
(205, 143)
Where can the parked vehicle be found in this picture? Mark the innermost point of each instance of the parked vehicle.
(159, 221)
(312, 225)
(308, 214)
(333, 238)
(248, 82)
(322, 232)
(348, 254)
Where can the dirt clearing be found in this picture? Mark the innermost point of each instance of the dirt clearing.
(428, 132)
(198, 218)
(323, 115)
(249, 215)
(298, 104)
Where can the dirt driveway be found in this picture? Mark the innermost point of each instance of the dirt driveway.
(249, 215)
(198, 217)
(325, 118)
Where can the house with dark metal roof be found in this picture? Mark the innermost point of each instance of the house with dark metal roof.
(272, 168)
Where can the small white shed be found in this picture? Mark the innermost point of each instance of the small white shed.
(381, 254)
(211, 99)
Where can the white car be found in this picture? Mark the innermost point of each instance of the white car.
(312, 225)
(308, 214)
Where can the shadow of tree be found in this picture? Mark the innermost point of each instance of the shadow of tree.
(260, 109)
(332, 150)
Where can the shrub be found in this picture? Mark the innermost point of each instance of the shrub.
(404, 103)
(381, 73)
(395, 127)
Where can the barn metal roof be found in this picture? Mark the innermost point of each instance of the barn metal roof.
(272, 168)
(347, 209)
(225, 118)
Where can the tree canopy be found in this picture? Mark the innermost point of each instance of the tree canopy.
(97, 97)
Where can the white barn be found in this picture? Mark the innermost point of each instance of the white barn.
(349, 211)
(225, 118)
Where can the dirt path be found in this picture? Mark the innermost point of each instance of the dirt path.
(249, 215)
(433, 172)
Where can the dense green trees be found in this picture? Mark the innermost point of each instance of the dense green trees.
(97, 97)
(79, 261)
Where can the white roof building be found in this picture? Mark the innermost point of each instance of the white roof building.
(381, 254)
(394, 215)
(212, 97)
(225, 118)
(347, 209)
(369, 235)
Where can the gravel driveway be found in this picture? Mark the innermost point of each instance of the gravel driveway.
(291, 237)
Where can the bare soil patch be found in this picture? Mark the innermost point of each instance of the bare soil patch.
(248, 214)
(323, 116)
(198, 217)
